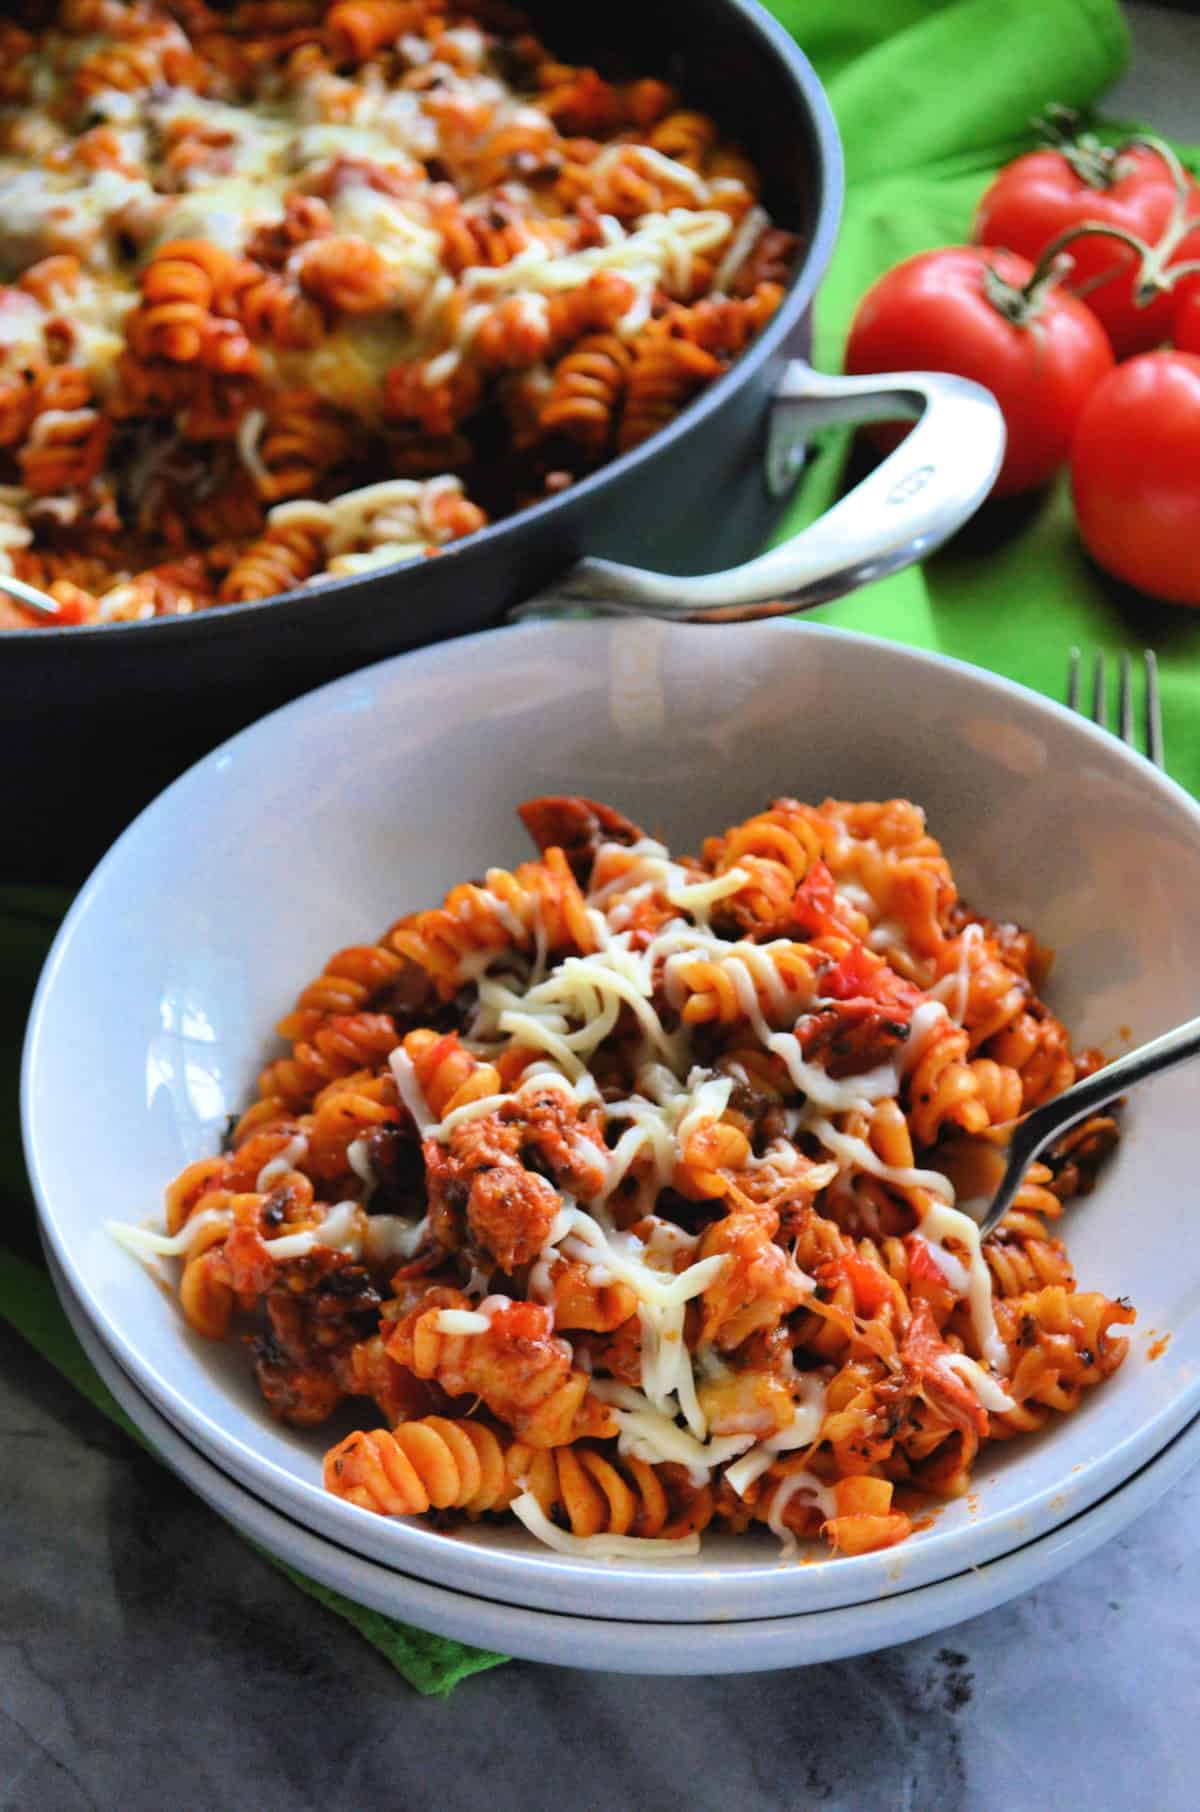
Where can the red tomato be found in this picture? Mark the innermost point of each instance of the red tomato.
(1135, 472)
(1041, 195)
(1185, 325)
(952, 310)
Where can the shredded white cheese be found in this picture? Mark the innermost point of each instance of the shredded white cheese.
(600, 1547)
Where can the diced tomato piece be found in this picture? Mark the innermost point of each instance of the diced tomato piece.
(922, 1265)
(860, 974)
(870, 1284)
(921, 1353)
(813, 903)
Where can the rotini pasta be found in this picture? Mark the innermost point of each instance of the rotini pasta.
(617, 1183)
(333, 250)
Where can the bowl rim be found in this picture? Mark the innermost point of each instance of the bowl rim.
(495, 538)
(756, 1644)
(544, 1577)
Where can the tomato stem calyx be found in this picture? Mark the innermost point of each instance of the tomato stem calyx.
(1095, 163)
(1022, 304)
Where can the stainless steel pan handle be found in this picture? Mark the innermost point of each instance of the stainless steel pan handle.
(900, 512)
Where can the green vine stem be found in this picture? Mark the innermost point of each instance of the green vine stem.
(1154, 278)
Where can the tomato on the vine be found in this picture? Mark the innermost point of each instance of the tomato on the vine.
(1185, 323)
(1136, 190)
(1135, 474)
(990, 316)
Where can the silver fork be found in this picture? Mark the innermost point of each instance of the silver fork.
(988, 1169)
(1099, 711)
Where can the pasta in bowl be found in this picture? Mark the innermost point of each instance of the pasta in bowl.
(378, 795)
(680, 1248)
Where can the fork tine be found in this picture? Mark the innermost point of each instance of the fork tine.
(1154, 729)
(1125, 702)
(1073, 681)
(1099, 700)
(1125, 711)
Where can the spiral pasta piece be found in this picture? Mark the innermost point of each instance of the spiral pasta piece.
(757, 1285)
(595, 1494)
(782, 978)
(1064, 1342)
(351, 979)
(789, 835)
(356, 29)
(348, 274)
(542, 1401)
(275, 309)
(187, 293)
(290, 552)
(587, 389)
(344, 1111)
(64, 449)
(342, 1044)
(947, 1089)
(576, 1300)
(538, 900)
(431, 1463)
(664, 376)
(448, 1076)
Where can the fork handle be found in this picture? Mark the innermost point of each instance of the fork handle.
(1039, 1128)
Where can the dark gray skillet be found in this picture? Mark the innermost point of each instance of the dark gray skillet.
(96, 721)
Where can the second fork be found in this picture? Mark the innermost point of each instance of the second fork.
(1125, 706)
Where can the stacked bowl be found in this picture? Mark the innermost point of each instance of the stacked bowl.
(372, 796)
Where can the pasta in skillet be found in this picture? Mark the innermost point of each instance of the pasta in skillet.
(299, 288)
(616, 1183)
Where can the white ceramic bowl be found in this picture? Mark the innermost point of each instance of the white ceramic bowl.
(319, 825)
(748, 1645)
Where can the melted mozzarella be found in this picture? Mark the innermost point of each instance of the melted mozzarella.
(821, 1494)
(991, 1394)
(888, 934)
(667, 1376)
(410, 1091)
(146, 1244)
(599, 1547)
(953, 990)
(359, 1160)
(740, 247)
(388, 1237)
(462, 1321)
(341, 1230)
(622, 1256)
(928, 1017)
(856, 1154)
(697, 897)
(293, 1153)
(647, 1433)
(804, 1428)
(939, 1222)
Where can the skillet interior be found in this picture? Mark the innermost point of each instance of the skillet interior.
(99, 720)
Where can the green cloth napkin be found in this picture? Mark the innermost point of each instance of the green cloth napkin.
(931, 98)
